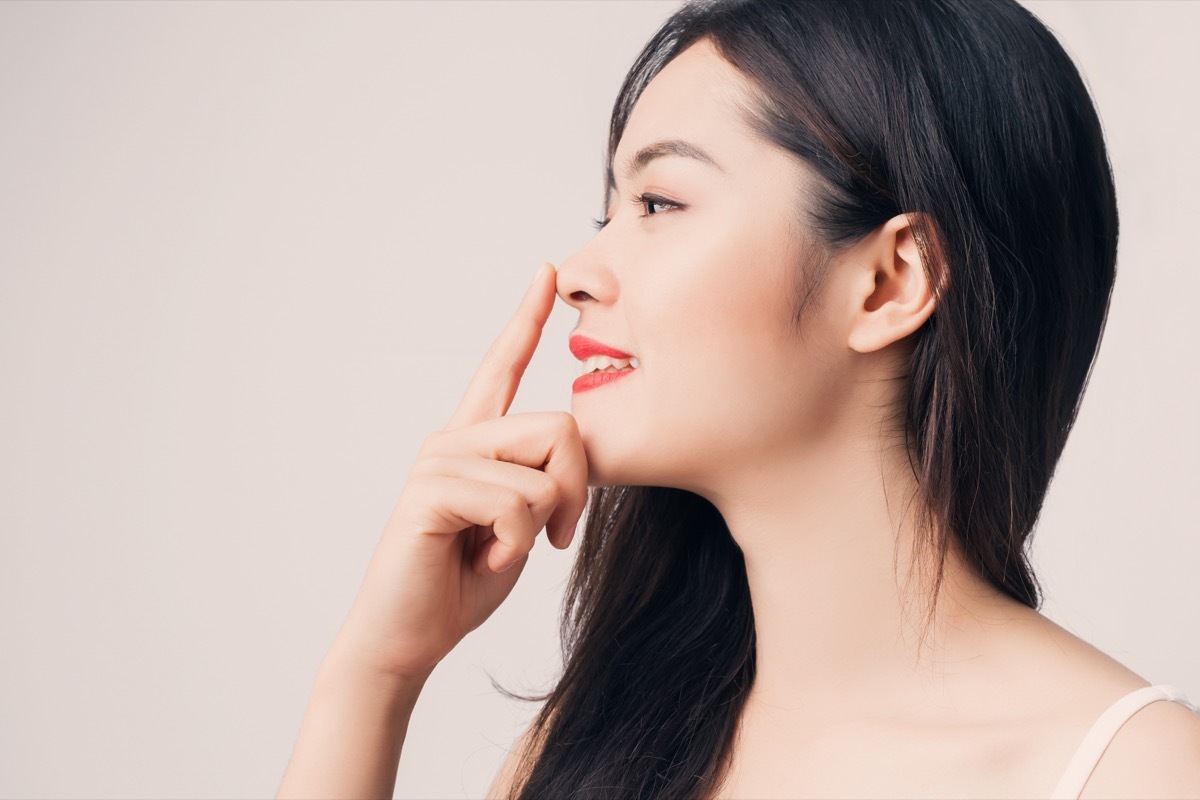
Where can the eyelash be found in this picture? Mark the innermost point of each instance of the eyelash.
(642, 200)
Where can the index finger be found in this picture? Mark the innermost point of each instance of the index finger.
(491, 391)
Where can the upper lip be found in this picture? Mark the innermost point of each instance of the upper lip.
(582, 347)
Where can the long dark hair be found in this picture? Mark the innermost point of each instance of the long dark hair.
(969, 115)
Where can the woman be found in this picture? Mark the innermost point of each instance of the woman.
(836, 325)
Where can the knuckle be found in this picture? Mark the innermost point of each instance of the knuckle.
(433, 464)
(511, 503)
(434, 443)
(502, 363)
(511, 370)
(564, 423)
(549, 490)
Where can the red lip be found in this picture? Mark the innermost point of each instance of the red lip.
(594, 379)
(582, 347)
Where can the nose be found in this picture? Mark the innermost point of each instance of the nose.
(587, 277)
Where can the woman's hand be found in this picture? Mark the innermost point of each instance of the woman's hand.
(476, 498)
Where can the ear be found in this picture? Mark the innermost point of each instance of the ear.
(890, 291)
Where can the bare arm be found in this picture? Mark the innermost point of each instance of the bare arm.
(353, 730)
(442, 566)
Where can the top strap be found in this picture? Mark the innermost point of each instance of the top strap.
(1087, 755)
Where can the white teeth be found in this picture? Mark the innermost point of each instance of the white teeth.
(596, 363)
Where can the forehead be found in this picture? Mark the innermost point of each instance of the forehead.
(698, 97)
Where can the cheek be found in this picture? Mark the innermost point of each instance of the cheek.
(724, 380)
(721, 363)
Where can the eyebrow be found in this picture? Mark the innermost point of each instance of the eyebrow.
(666, 147)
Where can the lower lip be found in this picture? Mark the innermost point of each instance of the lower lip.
(594, 379)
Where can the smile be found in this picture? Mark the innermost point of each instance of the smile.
(601, 363)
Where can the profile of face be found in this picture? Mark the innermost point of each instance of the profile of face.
(695, 275)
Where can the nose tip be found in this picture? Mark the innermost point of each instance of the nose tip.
(568, 286)
(588, 278)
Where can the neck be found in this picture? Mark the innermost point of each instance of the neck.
(839, 600)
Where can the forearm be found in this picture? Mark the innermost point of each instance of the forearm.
(350, 740)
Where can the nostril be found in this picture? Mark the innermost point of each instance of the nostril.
(581, 296)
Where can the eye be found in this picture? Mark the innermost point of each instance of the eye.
(648, 200)
(645, 201)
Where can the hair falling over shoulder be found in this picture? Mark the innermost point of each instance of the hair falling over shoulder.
(970, 112)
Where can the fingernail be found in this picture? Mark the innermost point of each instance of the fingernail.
(509, 565)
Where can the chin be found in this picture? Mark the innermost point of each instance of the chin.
(627, 463)
(632, 447)
(607, 464)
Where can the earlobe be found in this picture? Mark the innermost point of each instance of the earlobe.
(894, 299)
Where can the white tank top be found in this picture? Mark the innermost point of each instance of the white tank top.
(1087, 755)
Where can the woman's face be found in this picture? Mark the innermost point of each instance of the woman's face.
(702, 294)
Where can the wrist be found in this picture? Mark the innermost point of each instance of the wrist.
(341, 672)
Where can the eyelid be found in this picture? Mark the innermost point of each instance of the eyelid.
(644, 199)
(647, 198)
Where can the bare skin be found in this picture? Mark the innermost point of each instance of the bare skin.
(480, 493)
(1021, 707)
(792, 438)
(789, 437)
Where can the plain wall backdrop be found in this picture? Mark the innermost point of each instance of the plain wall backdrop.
(250, 256)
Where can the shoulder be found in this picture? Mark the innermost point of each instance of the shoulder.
(505, 779)
(1156, 753)
(1069, 683)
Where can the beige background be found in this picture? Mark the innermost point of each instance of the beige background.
(249, 257)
